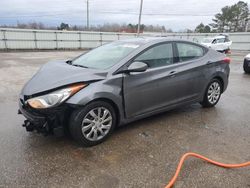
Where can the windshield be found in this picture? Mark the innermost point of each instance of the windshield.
(207, 40)
(105, 56)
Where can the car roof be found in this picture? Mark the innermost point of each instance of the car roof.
(216, 37)
(148, 40)
(220, 37)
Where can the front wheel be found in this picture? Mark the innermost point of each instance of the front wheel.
(212, 94)
(93, 123)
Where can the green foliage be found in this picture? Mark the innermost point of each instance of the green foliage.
(201, 28)
(232, 18)
(63, 26)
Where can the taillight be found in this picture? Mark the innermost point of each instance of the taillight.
(228, 51)
(226, 60)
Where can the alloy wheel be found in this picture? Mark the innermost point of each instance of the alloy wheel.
(96, 124)
(214, 92)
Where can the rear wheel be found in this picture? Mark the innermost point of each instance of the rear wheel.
(246, 67)
(212, 94)
(92, 124)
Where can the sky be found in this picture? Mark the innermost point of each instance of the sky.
(174, 14)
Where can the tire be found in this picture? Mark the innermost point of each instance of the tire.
(212, 94)
(86, 123)
(246, 67)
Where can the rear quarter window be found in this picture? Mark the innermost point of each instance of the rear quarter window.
(188, 51)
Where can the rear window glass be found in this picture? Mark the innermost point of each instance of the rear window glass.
(227, 39)
(189, 51)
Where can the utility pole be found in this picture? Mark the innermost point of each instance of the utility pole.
(88, 14)
(247, 23)
(139, 21)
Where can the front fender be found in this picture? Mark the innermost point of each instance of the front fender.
(109, 89)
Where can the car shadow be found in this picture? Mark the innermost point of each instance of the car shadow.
(187, 109)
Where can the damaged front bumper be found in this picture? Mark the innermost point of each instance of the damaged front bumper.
(45, 121)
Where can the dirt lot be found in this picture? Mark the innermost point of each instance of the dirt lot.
(142, 154)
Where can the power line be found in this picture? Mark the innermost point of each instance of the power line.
(106, 12)
(156, 14)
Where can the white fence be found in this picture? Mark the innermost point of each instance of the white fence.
(21, 39)
(54, 39)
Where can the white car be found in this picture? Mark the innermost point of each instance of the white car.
(219, 43)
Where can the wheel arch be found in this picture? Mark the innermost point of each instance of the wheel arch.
(221, 81)
(113, 104)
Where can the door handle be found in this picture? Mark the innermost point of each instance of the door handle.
(172, 73)
(209, 63)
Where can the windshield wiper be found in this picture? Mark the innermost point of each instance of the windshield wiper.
(69, 62)
(77, 65)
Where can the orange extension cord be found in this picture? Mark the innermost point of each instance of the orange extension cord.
(173, 180)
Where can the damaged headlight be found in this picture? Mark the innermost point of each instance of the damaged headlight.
(55, 98)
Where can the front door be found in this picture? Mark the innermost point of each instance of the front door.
(146, 91)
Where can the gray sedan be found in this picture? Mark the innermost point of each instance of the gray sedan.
(121, 82)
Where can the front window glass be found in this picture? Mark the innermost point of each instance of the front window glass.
(160, 55)
(105, 56)
(189, 51)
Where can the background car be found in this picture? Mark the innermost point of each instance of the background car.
(246, 64)
(121, 82)
(219, 43)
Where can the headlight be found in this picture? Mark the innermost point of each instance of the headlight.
(54, 98)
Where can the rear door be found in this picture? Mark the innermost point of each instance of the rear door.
(192, 64)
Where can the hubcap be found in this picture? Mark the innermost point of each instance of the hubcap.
(96, 124)
(213, 92)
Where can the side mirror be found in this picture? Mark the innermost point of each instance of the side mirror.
(137, 67)
(69, 61)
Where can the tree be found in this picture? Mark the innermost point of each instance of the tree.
(63, 26)
(240, 12)
(106, 27)
(201, 28)
(207, 29)
(232, 18)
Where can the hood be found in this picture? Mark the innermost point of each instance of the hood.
(56, 74)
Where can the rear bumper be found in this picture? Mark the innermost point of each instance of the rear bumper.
(48, 121)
